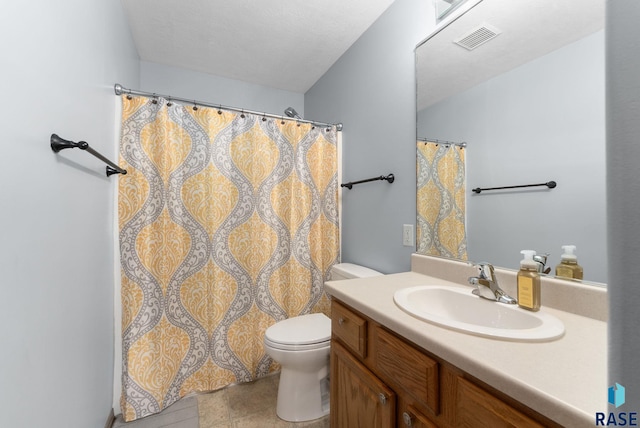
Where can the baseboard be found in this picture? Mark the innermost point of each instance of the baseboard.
(110, 419)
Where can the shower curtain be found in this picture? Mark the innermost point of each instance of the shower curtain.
(228, 223)
(440, 201)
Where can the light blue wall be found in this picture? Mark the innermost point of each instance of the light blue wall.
(542, 121)
(371, 90)
(59, 63)
(185, 83)
(623, 193)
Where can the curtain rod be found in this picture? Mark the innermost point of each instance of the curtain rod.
(121, 90)
(451, 143)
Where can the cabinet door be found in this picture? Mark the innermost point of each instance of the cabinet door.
(358, 398)
(477, 408)
(412, 418)
(405, 367)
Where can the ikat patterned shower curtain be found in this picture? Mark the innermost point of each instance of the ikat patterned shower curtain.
(228, 223)
(441, 200)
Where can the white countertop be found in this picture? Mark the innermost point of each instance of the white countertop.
(564, 379)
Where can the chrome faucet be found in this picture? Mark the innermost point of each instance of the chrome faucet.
(541, 261)
(486, 285)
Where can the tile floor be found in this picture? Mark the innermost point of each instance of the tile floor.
(251, 405)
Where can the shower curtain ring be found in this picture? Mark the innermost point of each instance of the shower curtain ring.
(220, 109)
(282, 120)
(155, 99)
(264, 116)
(242, 113)
(169, 103)
(195, 106)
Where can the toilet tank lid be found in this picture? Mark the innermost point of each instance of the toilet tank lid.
(301, 330)
(350, 270)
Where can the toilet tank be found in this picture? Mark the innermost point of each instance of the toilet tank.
(350, 270)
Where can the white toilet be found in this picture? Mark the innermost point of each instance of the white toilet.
(301, 345)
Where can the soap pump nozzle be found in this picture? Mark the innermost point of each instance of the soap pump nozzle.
(569, 252)
(527, 261)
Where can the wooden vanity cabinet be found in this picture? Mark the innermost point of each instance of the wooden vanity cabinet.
(410, 416)
(477, 408)
(358, 398)
(379, 379)
(351, 328)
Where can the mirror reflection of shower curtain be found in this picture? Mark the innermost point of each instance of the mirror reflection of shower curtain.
(440, 200)
(228, 223)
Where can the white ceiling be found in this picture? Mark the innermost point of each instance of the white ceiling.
(280, 44)
(530, 28)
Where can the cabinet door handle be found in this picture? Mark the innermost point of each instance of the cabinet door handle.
(408, 419)
(382, 398)
(340, 321)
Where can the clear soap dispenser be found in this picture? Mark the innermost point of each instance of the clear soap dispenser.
(529, 282)
(569, 267)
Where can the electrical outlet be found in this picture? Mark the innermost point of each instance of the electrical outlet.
(407, 235)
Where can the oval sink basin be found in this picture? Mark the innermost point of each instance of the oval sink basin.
(457, 308)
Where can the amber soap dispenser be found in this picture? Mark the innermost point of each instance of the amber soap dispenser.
(528, 282)
(569, 267)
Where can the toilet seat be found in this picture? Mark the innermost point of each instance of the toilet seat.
(307, 347)
(303, 332)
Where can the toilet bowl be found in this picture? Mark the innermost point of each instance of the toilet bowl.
(301, 345)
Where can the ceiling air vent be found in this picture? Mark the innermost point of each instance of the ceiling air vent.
(477, 36)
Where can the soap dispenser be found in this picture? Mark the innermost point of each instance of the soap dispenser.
(569, 267)
(529, 282)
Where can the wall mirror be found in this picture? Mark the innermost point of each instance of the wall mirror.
(522, 84)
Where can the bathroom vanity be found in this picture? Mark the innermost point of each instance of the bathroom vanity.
(390, 369)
